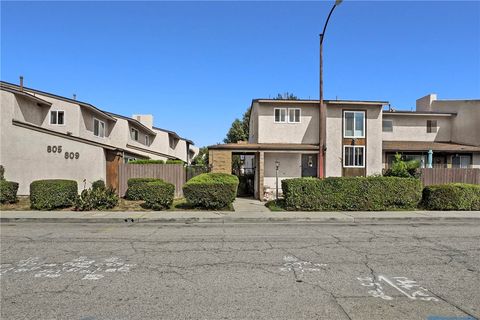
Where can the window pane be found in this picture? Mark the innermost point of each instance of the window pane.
(102, 129)
(348, 156)
(348, 124)
(291, 115)
(60, 117)
(95, 127)
(359, 124)
(277, 115)
(359, 156)
(53, 117)
(283, 117)
(387, 126)
(297, 115)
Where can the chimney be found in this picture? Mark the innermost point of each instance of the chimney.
(425, 103)
(21, 83)
(145, 119)
(74, 96)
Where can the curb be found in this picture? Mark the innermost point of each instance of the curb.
(272, 220)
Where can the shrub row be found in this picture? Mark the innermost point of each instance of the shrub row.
(137, 188)
(349, 194)
(211, 190)
(96, 198)
(52, 194)
(160, 195)
(150, 161)
(8, 191)
(454, 196)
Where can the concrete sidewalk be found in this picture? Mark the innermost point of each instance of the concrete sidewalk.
(242, 217)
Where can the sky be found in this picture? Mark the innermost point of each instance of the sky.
(196, 66)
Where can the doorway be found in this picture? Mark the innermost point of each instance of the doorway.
(309, 165)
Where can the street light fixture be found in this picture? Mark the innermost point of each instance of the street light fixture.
(323, 111)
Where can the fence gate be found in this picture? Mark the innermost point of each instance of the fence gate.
(173, 173)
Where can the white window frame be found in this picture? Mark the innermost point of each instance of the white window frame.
(138, 134)
(56, 111)
(344, 158)
(104, 128)
(286, 115)
(299, 115)
(345, 127)
(391, 121)
(147, 140)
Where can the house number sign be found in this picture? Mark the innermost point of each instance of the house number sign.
(58, 149)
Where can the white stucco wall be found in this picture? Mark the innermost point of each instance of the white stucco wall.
(23, 153)
(290, 167)
(414, 128)
(305, 132)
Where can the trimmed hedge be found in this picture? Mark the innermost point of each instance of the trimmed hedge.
(136, 188)
(52, 194)
(99, 198)
(453, 196)
(99, 184)
(171, 161)
(211, 190)
(8, 191)
(351, 193)
(146, 161)
(159, 195)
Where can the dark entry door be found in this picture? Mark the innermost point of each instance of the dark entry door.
(309, 165)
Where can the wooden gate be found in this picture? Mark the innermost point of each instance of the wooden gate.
(448, 175)
(173, 173)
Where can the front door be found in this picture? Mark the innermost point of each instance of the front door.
(309, 165)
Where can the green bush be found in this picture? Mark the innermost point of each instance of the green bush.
(99, 198)
(146, 161)
(8, 191)
(2, 172)
(211, 190)
(159, 195)
(136, 188)
(351, 193)
(99, 184)
(171, 161)
(52, 194)
(403, 169)
(453, 196)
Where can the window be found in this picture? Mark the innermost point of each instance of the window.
(293, 115)
(354, 124)
(354, 156)
(98, 128)
(134, 134)
(280, 115)
(57, 117)
(461, 161)
(147, 140)
(387, 126)
(431, 126)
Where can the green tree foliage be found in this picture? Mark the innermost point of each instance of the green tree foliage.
(403, 169)
(201, 159)
(286, 96)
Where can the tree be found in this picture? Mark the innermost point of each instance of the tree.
(239, 129)
(201, 159)
(286, 96)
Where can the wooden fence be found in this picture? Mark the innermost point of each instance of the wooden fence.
(173, 173)
(447, 175)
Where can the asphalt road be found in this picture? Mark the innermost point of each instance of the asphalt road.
(239, 271)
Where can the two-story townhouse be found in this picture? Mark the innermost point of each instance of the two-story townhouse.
(284, 138)
(361, 138)
(440, 133)
(46, 136)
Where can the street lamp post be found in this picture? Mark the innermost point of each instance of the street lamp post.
(323, 111)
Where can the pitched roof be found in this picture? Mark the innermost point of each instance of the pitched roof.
(427, 145)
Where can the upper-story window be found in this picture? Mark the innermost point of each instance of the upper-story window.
(147, 140)
(57, 117)
(98, 128)
(431, 126)
(134, 134)
(387, 125)
(294, 115)
(354, 156)
(280, 115)
(354, 124)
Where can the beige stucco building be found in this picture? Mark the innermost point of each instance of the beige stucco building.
(361, 138)
(46, 136)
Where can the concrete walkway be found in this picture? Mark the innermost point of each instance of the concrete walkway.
(249, 205)
(397, 217)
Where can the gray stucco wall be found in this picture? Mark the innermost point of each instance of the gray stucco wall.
(414, 128)
(290, 167)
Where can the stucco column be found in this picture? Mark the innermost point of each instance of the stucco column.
(220, 161)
